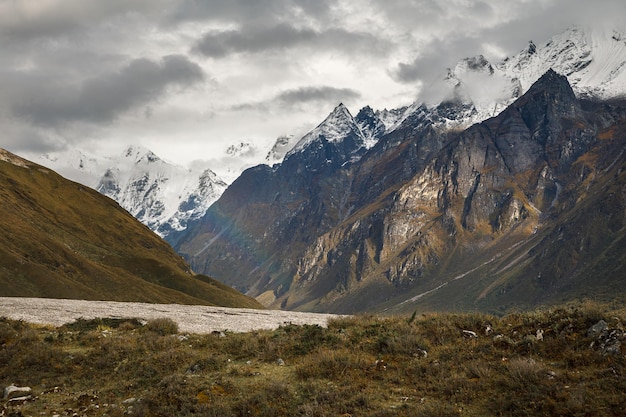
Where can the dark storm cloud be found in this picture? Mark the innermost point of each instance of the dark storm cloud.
(252, 39)
(30, 19)
(319, 94)
(32, 140)
(297, 98)
(219, 44)
(103, 98)
(246, 11)
(435, 58)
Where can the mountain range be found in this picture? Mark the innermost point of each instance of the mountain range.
(505, 192)
(501, 187)
(61, 239)
(165, 196)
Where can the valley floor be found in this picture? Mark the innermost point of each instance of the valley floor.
(190, 319)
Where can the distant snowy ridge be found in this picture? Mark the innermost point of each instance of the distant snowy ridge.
(165, 196)
(337, 126)
(162, 195)
(282, 145)
(593, 60)
(364, 130)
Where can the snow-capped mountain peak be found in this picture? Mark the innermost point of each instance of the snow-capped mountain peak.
(371, 125)
(335, 128)
(593, 60)
(139, 153)
(282, 145)
(162, 195)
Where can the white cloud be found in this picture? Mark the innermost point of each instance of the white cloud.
(93, 73)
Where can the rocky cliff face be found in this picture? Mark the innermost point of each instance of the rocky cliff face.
(431, 218)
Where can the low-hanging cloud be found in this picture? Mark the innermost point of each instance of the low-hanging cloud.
(258, 39)
(245, 11)
(103, 98)
(300, 97)
(30, 19)
(324, 94)
(434, 59)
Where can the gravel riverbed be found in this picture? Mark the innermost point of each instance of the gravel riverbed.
(190, 319)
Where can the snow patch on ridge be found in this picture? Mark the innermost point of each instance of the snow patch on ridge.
(592, 59)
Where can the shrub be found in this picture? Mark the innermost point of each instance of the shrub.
(82, 324)
(526, 371)
(162, 326)
(332, 364)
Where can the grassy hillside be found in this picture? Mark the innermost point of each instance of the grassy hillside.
(560, 362)
(60, 239)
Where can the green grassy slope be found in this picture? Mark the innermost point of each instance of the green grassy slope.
(60, 239)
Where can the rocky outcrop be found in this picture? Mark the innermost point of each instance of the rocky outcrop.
(13, 392)
(606, 340)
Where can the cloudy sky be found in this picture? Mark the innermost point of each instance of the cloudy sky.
(188, 78)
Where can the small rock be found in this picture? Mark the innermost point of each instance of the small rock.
(421, 353)
(539, 335)
(20, 399)
(280, 362)
(380, 365)
(608, 341)
(13, 391)
(597, 329)
(611, 347)
(194, 369)
(470, 334)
